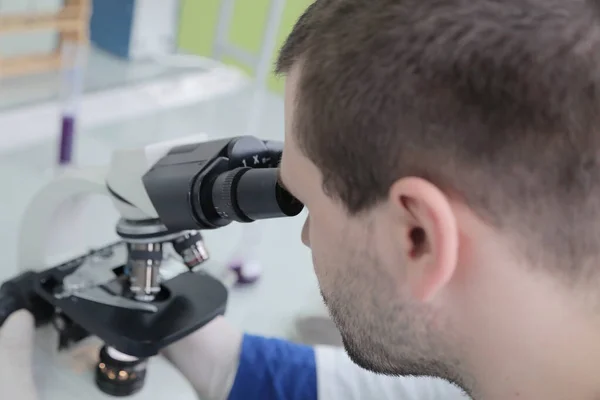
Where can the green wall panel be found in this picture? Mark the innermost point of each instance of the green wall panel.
(293, 10)
(248, 24)
(197, 26)
(237, 63)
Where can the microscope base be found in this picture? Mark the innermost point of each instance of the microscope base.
(69, 375)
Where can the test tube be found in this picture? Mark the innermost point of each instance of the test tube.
(73, 62)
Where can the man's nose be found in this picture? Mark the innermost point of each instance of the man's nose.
(305, 235)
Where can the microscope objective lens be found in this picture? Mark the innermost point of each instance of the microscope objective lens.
(144, 265)
(190, 246)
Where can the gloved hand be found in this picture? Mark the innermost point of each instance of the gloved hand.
(16, 357)
(209, 358)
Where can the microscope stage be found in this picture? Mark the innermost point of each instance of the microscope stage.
(190, 301)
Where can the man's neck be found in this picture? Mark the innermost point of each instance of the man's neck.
(549, 350)
(546, 377)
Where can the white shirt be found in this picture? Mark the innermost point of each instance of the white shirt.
(338, 378)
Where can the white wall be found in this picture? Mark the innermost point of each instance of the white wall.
(28, 43)
(154, 31)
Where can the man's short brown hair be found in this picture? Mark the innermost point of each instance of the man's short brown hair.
(495, 102)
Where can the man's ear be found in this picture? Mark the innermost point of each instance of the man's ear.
(429, 235)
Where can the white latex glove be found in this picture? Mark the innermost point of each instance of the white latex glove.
(16, 356)
(208, 358)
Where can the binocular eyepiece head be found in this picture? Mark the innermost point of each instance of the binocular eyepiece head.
(208, 185)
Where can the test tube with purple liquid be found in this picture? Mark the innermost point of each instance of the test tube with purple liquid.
(74, 57)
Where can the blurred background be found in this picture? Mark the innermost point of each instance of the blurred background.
(81, 78)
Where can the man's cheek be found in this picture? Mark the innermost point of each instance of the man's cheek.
(321, 268)
(320, 251)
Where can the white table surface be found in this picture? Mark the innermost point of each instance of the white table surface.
(287, 288)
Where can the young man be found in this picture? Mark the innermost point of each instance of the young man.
(449, 155)
(448, 152)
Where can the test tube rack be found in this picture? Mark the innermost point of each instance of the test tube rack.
(71, 23)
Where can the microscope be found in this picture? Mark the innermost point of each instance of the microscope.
(166, 194)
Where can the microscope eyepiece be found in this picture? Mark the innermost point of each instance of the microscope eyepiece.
(249, 194)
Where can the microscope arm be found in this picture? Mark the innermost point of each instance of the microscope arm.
(54, 211)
